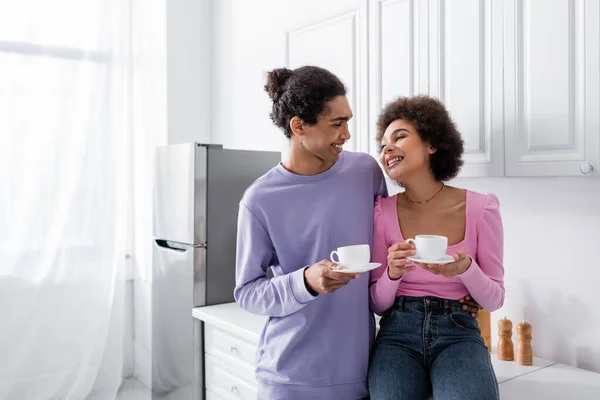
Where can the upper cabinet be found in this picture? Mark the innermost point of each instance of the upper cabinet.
(450, 50)
(333, 35)
(519, 77)
(552, 87)
(466, 74)
(253, 37)
(393, 56)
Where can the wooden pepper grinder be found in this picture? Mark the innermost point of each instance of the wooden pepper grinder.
(485, 324)
(506, 349)
(524, 351)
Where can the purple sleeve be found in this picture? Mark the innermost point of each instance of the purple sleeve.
(382, 189)
(276, 297)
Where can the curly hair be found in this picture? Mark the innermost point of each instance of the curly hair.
(303, 92)
(434, 126)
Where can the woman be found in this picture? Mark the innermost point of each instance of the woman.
(427, 342)
(317, 339)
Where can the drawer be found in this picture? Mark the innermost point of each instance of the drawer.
(231, 348)
(225, 381)
(211, 396)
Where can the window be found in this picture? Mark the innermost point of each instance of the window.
(57, 100)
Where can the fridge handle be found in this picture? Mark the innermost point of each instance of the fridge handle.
(166, 244)
(176, 246)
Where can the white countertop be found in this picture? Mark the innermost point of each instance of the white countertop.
(543, 380)
(231, 317)
(557, 382)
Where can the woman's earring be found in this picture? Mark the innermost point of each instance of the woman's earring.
(300, 139)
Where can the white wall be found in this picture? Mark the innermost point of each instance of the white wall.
(150, 129)
(189, 88)
(243, 51)
(184, 83)
(552, 271)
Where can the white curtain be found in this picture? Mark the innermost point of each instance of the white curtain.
(77, 124)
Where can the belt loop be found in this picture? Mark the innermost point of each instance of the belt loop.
(447, 307)
(400, 303)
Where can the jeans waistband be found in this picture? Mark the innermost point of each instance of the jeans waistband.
(428, 303)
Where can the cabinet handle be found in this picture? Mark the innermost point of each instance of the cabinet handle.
(233, 349)
(234, 389)
(586, 168)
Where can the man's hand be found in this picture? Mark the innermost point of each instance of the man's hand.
(470, 305)
(322, 277)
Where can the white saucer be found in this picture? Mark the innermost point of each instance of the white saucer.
(444, 260)
(359, 270)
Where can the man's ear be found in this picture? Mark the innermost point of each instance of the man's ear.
(297, 126)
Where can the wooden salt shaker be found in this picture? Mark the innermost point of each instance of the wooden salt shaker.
(506, 349)
(524, 350)
(485, 324)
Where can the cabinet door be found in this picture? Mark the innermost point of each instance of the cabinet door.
(333, 35)
(552, 87)
(467, 76)
(393, 56)
(465, 72)
(253, 37)
(449, 50)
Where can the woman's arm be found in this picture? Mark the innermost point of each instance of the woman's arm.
(382, 289)
(484, 278)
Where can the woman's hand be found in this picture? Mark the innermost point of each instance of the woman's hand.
(398, 264)
(461, 264)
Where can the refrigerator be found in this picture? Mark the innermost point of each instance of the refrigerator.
(197, 190)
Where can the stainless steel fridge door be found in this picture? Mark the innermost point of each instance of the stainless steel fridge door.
(180, 193)
(175, 339)
(230, 173)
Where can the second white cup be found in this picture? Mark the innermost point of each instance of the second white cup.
(430, 247)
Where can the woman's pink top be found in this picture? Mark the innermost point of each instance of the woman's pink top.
(483, 241)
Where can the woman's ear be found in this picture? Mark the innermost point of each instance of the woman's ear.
(432, 150)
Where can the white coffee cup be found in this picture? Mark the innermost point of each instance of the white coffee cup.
(430, 247)
(352, 256)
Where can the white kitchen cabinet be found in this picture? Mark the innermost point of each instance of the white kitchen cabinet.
(466, 74)
(393, 56)
(552, 87)
(212, 396)
(521, 78)
(229, 352)
(224, 380)
(449, 50)
(335, 39)
(230, 348)
(253, 37)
